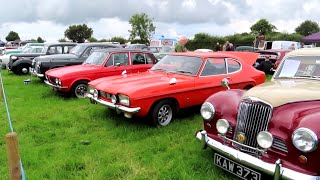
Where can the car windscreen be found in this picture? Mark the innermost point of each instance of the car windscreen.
(300, 67)
(187, 65)
(96, 58)
(77, 50)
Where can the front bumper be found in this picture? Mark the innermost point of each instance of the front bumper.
(119, 108)
(250, 161)
(34, 72)
(55, 86)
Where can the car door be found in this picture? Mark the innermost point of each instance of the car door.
(235, 76)
(116, 64)
(140, 62)
(209, 81)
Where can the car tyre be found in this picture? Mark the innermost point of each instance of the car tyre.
(22, 69)
(79, 89)
(162, 113)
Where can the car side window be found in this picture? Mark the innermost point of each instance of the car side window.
(118, 58)
(233, 65)
(67, 49)
(138, 58)
(214, 66)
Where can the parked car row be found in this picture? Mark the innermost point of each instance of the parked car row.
(254, 128)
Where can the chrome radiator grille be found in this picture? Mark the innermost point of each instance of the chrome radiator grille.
(253, 117)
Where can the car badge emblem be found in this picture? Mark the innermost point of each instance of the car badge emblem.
(241, 137)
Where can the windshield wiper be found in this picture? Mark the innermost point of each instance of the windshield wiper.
(185, 72)
(158, 69)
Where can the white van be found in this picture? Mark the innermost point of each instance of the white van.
(281, 44)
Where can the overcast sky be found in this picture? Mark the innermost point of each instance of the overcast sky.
(108, 18)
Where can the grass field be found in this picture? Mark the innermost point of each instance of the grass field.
(72, 139)
(61, 138)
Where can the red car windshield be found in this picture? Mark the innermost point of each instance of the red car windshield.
(187, 65)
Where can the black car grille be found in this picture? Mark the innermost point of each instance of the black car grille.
(253, 117)
(53, 80)
(279, 145)
(105, 95)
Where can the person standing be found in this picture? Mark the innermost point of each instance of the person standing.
(292, 47)
(256, 42)
(266, 66)
(179, 47)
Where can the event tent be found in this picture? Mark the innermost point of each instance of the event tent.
(313, 38)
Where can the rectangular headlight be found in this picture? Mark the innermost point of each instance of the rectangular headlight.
(123, 99)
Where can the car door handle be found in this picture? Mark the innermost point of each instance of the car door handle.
(228, 77)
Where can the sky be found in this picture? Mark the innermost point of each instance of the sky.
(49, 19)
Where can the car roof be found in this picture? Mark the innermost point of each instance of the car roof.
(121, 50)
(99, 44)
(305, 51)
(60, 43)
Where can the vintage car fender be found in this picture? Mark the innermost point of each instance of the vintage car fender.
(22, 61)
(226, 105)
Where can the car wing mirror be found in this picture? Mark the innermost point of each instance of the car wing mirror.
(117, 65)
(225, 83)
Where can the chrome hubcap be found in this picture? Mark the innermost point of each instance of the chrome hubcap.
(81, 90)
(165, 115)
(24, 70)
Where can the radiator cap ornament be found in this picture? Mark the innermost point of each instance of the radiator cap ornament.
(241, 137)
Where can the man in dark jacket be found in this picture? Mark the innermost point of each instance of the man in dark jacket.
(266, 66)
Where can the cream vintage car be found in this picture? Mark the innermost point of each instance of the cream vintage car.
(271, 129)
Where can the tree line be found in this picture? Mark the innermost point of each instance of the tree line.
(142, 31)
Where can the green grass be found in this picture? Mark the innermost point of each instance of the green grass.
(72, 139)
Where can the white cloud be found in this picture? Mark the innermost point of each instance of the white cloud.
(109, 18)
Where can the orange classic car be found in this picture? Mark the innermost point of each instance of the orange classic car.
(178, 81)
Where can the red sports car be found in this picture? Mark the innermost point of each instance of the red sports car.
(179, 80)
(101, 63)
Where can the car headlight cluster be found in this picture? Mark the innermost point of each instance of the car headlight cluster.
(91, 89)
(95, 93)
(207, 111)
(123, 99)
(305, 140)
(58, 81)
(222, 126)
(265, 139)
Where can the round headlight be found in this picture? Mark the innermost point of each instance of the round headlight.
(305, 140)
(113, 99)
(207, 111)
(265, 139)
(90, 89)
(222, 126)
(95, 93)
(57, 81)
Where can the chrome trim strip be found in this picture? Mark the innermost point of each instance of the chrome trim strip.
(250, 161)
(115, 106)
(56, 86)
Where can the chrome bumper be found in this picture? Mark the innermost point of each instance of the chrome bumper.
(250, 161)
(115, 106)
(55, 86)
(34, 72)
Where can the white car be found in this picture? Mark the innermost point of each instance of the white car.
(4, 59)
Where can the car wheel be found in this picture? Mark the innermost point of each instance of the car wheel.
(79, 89)
(23, 69)
(162, 113)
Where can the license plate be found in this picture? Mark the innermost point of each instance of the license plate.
(236, 168)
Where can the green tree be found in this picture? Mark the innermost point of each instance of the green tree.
(78, 33)
(12, 36)
(307, 27)
(262, 27)
(103, 40)
(40, 40)
(119, 39)
(142, 27)
(92, 39)
(62, 40)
